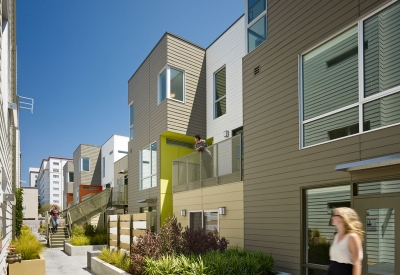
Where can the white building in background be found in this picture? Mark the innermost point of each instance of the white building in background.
(51, 180)
(115, 148)
(33, 175)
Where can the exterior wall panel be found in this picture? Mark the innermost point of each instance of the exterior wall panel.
(274, 167)
(228, 50)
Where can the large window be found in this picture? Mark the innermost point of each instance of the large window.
(171, 84)
(85, 164)
(256, 23)
(351, 83)
(70, 177)
(131, 121)
(148, 167)
(319, 233)
(220, 93)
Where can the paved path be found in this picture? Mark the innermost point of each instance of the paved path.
(59, 263)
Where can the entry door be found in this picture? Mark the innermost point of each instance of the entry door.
(380, 216)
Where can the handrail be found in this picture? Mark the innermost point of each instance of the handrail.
(218, 164)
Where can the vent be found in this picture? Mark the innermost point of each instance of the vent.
(256, 70)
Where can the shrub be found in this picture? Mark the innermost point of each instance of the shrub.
(171, 264)
(318, 253)
(148, 245)
(78, 230)
(199, 241)
(80, 240)
(28, 245)
(171, 236)
(18, 210)
(98, 239)
(116, 258)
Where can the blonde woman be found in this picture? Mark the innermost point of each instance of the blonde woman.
(346, 251)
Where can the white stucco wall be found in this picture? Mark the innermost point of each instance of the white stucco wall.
(228, 50)
(111, 151)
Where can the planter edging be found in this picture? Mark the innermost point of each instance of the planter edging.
(100, 267)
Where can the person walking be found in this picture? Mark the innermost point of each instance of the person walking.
(346, 252)
(54, 218)
(201, 147)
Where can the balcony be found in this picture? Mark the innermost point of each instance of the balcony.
(221, 163)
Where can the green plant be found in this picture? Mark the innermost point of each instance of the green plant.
(318, 253)
(199, 241)
(316, 233)
(98, 239)
(80, 240)
(78, 230)
(18, 213)
(28, 245)
(116, 258)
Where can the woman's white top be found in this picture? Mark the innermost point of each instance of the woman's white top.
(340, 252)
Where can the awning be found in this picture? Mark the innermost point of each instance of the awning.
(369, 163)
(151, 200)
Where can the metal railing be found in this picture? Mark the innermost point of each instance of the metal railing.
(120, 194)
(219, 163)
(88, 208)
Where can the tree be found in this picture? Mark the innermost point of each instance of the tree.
(47, 208)
(18, 210)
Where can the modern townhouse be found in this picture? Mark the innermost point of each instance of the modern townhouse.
(33, 175)
(68, 191)
(321, 119)
(115, 148)
(51, 181)
(167, 96)
(215, 201)
(9, 133)
(87, 172)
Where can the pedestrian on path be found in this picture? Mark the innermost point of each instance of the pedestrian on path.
(54, 218)
(346, 252)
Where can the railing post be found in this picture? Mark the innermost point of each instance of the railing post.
(130, 232)
(118, 231)
(187, 173)
(201, 171)
(216, 162)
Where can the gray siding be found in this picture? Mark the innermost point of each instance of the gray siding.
(151, 119)
(92, 177)
(274, 167)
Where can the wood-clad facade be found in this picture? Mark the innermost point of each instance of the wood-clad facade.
(152, 120)
(277, 168)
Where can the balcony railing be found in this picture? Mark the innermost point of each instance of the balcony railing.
(220, 163)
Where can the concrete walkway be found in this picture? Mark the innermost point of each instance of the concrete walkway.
(59, 263)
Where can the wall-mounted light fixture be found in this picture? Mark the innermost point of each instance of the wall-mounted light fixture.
(10, 198)
(222, 210)
(183, 212)
(226, 133)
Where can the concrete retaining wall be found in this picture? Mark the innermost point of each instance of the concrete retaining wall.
(99, 267)
(72, 250)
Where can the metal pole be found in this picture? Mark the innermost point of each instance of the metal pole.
(187, 173)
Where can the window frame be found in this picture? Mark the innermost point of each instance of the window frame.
(167, 69)
(362, 99)
(141, 168)
(215, 101)
(81, 164)
(131, 123)
(202, 217)
(248, 24)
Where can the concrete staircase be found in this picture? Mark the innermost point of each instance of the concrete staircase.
(57, 239)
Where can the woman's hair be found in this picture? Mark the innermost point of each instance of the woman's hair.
(198, 137)
(351, 221)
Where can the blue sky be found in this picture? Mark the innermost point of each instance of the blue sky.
(75, 59)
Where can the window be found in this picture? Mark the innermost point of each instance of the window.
(256, 23)
(104, 167)
(343, 93)
(56, 170)
(77, 195)
(131, 121)
(122, 152)
(171, 84)
(85, 164)
(55, 163)
(56, 176)
(56, 182)
(56, 189)
(148, 169)
(220, 93)
(319, 232)
(70, 177)
(56, 195)
(207, 220)
(56, 201)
